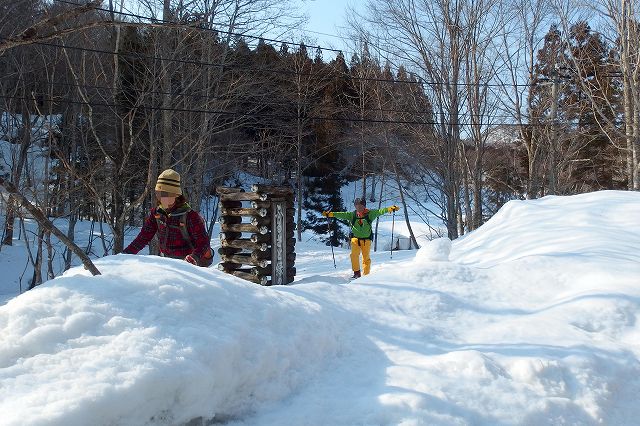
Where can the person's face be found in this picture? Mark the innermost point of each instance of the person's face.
(166, 199)
(359, 208)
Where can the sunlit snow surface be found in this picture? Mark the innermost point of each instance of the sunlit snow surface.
(531, 319)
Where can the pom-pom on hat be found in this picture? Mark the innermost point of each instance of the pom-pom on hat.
(169, 181)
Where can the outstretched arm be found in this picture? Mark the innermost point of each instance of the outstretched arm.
(373, 214)
(339, 215)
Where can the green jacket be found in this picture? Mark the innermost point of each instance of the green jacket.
(361, 228)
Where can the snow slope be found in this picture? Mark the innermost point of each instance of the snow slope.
(531, 319)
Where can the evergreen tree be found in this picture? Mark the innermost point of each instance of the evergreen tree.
(579, 64)
(592, 165)
(323, 194)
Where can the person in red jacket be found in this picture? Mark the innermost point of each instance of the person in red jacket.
(181, 231)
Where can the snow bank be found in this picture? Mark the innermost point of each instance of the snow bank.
(600, 225)
(436, 250)
(530, 320)
(154, 341)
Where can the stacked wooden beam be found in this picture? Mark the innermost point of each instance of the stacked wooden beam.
(257, 238)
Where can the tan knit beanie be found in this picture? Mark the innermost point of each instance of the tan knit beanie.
(169, 181)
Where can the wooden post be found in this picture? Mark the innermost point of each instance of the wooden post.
(279, 242)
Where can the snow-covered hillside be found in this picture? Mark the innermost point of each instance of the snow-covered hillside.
(532, 319)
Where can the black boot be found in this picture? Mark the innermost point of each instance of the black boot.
(356, 274)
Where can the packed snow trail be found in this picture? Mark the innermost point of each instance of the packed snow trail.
(532, 319)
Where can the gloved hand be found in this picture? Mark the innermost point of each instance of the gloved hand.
(327, 214)
(393, 208)
(191, 259)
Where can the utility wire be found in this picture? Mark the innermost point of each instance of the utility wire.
(266, 103)
(217, 31)
(261, 115)
(184, 25)
(219, 65)
(200, 27)
(420, 81)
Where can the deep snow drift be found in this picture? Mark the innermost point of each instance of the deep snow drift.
(532, 319)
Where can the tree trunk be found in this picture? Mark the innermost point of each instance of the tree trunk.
(48, 226)
(372, 195)
(17, 174)
(36, 279)
(414, 242)
(466, 193)
(71, 236)
(165, 86)
(375, 240)
(299, 181)
(50, 255)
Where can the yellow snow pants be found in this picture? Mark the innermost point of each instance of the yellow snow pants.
(359, 245)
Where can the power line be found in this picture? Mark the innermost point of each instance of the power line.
(228, 113)
(262, 69)
(213, 64)
(261, 115)
(218, 31)
(420, 81)
(200, 27)
(267, 103)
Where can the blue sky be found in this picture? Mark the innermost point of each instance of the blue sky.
(328, 17)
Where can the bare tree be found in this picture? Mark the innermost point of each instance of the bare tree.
(432, 39)
(480, 64)
(46, 27)
(46, 224)
(526, 22)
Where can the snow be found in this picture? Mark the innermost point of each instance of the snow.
(531, 319)
(434, 250)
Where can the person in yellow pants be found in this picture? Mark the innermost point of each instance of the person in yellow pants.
(361, 231)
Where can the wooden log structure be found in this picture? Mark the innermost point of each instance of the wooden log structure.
(245, 259)
(260, 255)
(261, 221)
(262, 280)
(257, 238)
(244, 244)
(267, 255)
(235, 267)
(246, 196)
(230, 205)
(261, 204)
(230, 266)
(259, 212)
(225, 190)
(260, 271)
(228, 251)
(274, 191)
(230, 235)
(230, 220)
(245, 227)
(267, 271)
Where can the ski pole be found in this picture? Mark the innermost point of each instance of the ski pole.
(393, 223)
(331, 244)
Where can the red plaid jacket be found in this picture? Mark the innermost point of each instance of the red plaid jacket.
(172, 242)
